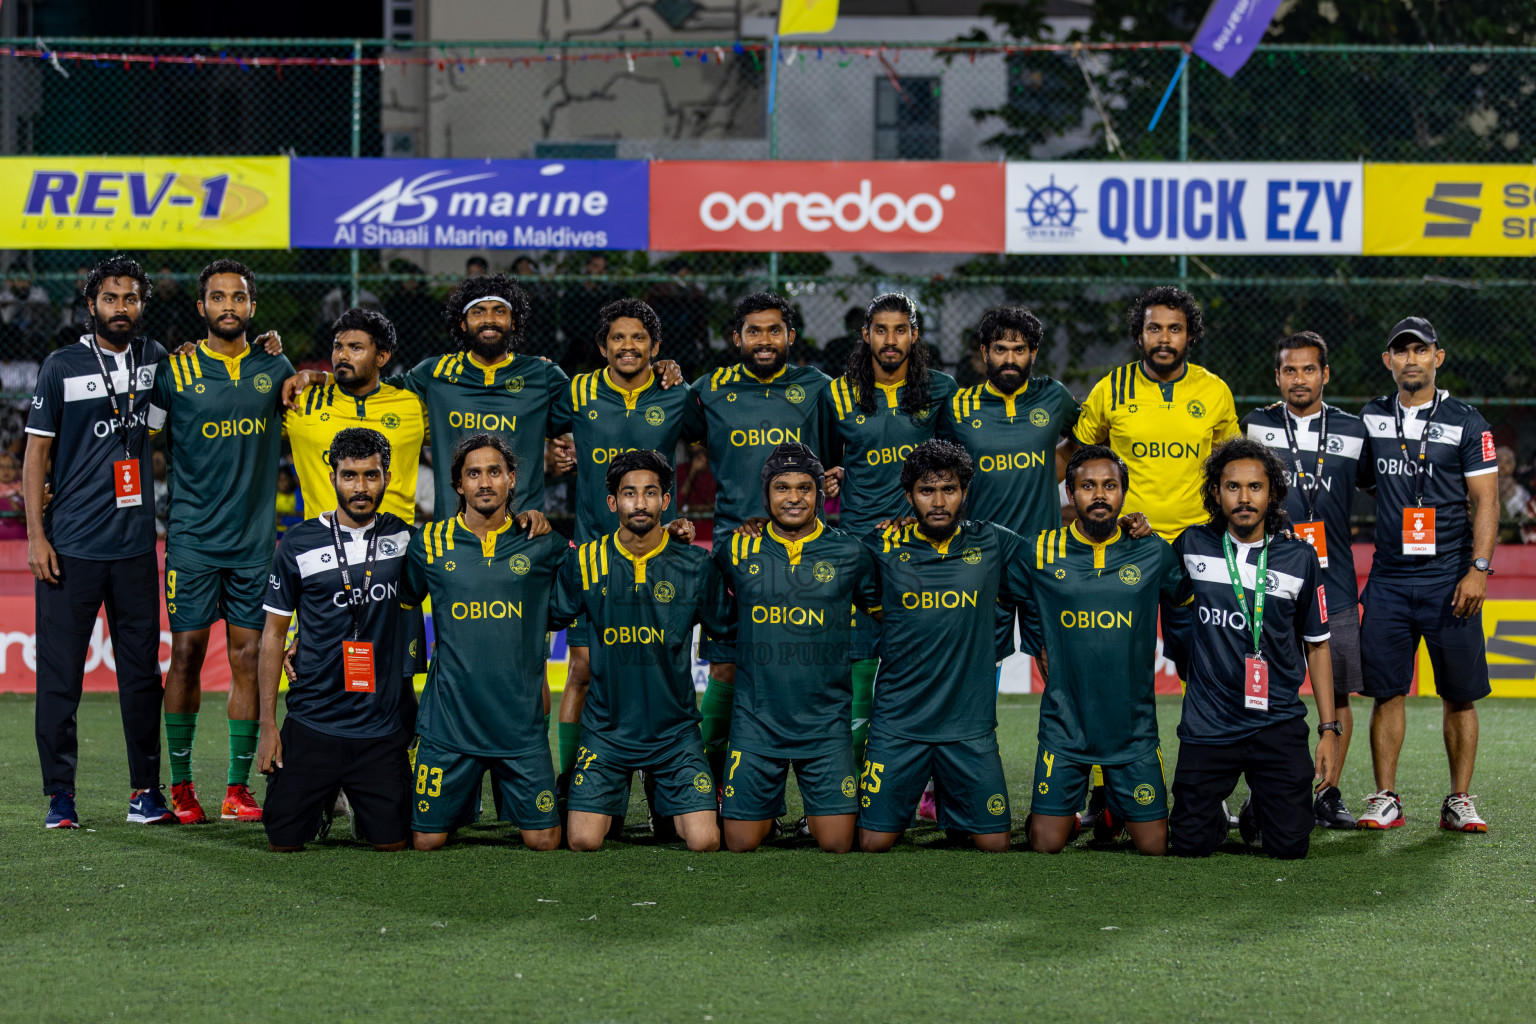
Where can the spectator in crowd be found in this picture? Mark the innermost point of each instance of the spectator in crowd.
(158, 466)
(13, 522)
(557, 487)
(835, 353)
(426, 487)
(74, 321)
(172, 318)
(476, 266)
(27, 314)
(683, 310)
(695, 485)
(337, 301)
(290, 504)
(972, 368)
(579, 307)
(539, 334)
(1512, 497)
(416, 315)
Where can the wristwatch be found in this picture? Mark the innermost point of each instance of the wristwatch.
(1483, 565)
(1333, 727)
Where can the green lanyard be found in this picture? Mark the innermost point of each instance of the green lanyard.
(1257, 618)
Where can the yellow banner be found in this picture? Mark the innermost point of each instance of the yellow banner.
(807, 17)
(1450, 210)
(1510, 629)
(143, 202)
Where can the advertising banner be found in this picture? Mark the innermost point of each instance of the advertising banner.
(469, 204)
(1195, 208)
(1450, 210)
(127, 202)
(810, 206)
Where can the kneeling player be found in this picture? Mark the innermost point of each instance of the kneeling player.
(935, 710)
(641, 594)
(483, 708)
(794, 586)
(1095, 590)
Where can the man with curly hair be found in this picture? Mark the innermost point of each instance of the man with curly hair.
(1260, 626)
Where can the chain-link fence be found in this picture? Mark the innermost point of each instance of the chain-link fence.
(707, 99)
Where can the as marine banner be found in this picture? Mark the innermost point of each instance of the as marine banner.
(74, 202)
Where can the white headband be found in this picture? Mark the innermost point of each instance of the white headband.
(488, 298)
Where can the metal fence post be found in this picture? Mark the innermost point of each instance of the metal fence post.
(773, 154)
(357, 144)
(1184, 152)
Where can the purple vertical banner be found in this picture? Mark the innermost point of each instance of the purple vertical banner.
(1230, 31)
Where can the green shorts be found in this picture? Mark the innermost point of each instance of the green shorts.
(448, 783)
(1136, 791)
(197, 595)
(600, 784)
(755, 783)
(967, 774)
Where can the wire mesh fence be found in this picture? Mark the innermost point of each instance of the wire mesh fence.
(855, 102)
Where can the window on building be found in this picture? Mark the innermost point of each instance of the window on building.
(907, 119)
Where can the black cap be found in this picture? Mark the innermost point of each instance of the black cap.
(1416, 326)
(793, 458)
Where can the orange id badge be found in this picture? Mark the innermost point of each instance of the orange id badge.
(1255, 683)
(1312, 533)
(357, 665)
(1418, 531)
(125, 483)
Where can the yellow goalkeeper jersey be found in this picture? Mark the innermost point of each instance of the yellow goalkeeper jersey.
(325, 409)
(1164, 433)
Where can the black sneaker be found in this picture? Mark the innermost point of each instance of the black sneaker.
(1098, 803)
(1248, 825)
(1107, 828)
(663, 828)
(803, 829)
(1330, 810)
(1231, 818)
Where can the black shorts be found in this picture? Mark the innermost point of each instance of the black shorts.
(1344, 649)
(1397, 614)
(374, 773)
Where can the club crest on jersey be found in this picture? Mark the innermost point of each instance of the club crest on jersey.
(387, 547)
(1271, 581)
(1435, 432)
(389, 421)
(655, 416)
(262, 383)
(702, 783)
(823, 572)
(518, 564)
(411, 650)
(514, 385)
(1144, 794)
(1040, 417)
(971, 555)
(545, 802)
(664, 592)
(1335, 444)
(1130, 575)
(795, 393)
(1195, 408)
(849, 788)
(997, 804)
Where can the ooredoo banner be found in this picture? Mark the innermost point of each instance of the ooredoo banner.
(806, 206)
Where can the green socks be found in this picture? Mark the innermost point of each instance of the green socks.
(179, 731)
(719, 698)
(863, 700)
(570, 736)
(242, 750)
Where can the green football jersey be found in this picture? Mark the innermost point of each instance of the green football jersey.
(490, 604)
(873, 446)
(793, 690)
(518, 398)
(1012, 439)
(1096, 605)
(640, 613)
(607, 420)
(938, 675)
(745, 419)
(223, 421)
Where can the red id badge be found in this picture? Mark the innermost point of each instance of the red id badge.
(1312, 533)
(1418, 531)
(125, 483)
(357, 665)
(1255, 683)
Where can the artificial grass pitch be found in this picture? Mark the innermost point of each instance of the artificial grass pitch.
(128, 922)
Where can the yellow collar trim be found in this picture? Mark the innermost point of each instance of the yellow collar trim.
(490, 371)
(641, 561)
(630, 397)
(1008, 400)
(890, 392)
(942, 549)
(231, 363)
(765, 380)
(488, 545)
(1098, 549)
(794, 547)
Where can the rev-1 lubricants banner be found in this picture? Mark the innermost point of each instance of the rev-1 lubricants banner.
(470, 204)
(1171, 208)
(112, 202)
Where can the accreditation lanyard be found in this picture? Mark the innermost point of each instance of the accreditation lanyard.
(1308, 494)
(1255, 669)
(123, 432)
(1415, 466)
(356, 654)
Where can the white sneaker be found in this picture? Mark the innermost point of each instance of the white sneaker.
(1383, 809)
(1458, 814)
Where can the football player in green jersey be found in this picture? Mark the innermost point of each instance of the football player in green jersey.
(1093, 592)
(887, 402)
(935, 711)
(641, 595)
(794, 585)
(482, 709)
(218, 408)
